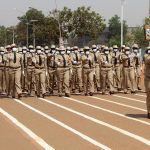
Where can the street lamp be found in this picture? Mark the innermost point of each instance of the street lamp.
(34, 40)
(122, 15)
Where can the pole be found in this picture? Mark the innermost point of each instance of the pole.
(33, 35)
(13, 35)
(27, 43)
(5, 37)
(122, 15)
(60, 34)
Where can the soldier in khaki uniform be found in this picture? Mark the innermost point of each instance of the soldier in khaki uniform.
(138, 65)
(107, 70)
(147, 79)
(76, 70)
(24, 72)
(88, 71)
(30, 70)
(96, 55)
(15, 62)
(8, 51)
(117, 68)
(2, 71)
(51, 65)
(128, 70)
(63, 72)
(40, 71)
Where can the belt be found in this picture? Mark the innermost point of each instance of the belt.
(39, 67)
(63, 67)
(15, 67)
(106, 67)
(52, 67)
(127, 66)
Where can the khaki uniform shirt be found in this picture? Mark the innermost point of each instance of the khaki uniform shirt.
(40, 61)
(11, 60)
(88, 61)
(128, 61)
(106, 61)
(116, 58)
(76, 60)
(147, 65)
(63, 61)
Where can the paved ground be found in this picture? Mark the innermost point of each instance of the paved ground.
(78, 123)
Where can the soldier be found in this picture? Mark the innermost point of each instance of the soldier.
(24, 72)
(117, 69)
(63, 70)
(51, 65)
(15, 62)
(96, 55)
(76, 70)
(8, 51)
(40, 71)
(128, 70)
(147, 79)
(2, 71)
(138, 65)
(30, 70)
(88, 71)
(107, 70)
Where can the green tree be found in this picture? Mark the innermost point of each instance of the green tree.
(2, 36)
(115, 30)
(87, 23)
(139, 37)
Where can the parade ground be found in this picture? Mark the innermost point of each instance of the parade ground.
(116, 122)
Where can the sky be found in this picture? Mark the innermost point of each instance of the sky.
(134, 10)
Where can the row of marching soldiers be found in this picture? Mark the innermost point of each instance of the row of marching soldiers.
(43, 71)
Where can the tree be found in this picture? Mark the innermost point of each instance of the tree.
(2, 35)
(139, 37)
(115, 30)
(87, 23)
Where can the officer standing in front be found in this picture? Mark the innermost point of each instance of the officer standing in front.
(147, 79)
(15, 67)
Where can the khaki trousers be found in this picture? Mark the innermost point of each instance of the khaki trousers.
(88, 76)
(138, 76)
(76, 77)
(129, 75)
(63, 78)
(118, 76)
(31, 80)
(15, 81)
(40, 78)
(147, 87)
(107, 75)
(2, 80)
(97, 75)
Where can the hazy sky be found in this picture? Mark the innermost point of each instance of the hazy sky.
(134, 10)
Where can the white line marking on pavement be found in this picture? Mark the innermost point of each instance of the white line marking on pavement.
(106, 110)
(105, 100)
(36, 138)
(85, 137)
(134, 136)
(140, 95)
(132, 99)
